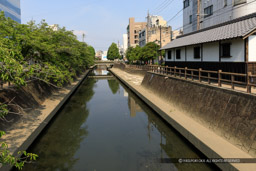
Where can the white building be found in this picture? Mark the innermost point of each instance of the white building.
(214, 12)
(11, 9)
(104, 56)
(155, 21)
(125, 42)
(54, 27)
(229, 47)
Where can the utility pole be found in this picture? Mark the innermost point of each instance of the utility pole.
(198, 14)
(160, 36)
(83, 37)
(147, 26)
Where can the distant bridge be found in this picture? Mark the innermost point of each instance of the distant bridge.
(105, 64)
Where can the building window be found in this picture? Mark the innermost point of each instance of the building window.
(190, 19)
(169, 54)
(208, 11)
(153, 32)
(197, 54)
(237, 2)
(135, 31)
(178, 54)
(225, 50)
(186, 3)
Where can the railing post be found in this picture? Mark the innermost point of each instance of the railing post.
(175, 71)
(2, 85)
(249, 90)
(186, 72)
(232, 81)
(9, 83)
(209, 76)
(180, 72)
(219, 78)
(166, 70)
(199, 74)
(192, 75)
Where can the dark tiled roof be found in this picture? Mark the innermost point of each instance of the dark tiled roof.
(238, 28)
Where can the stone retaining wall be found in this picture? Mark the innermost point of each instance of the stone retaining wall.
(130, 70)
(228, 113)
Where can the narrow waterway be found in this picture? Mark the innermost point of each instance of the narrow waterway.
(105, 127)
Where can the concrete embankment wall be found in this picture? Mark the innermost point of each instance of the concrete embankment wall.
(126, 68)
(28, 98)
(228, 113)
(41, 103)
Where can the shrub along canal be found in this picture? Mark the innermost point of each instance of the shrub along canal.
(104, 126)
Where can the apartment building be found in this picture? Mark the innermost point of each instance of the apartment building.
(133, 30)
(158, 34)
(156, 31)
(11, 9)
(212, 12)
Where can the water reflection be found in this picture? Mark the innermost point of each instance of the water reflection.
(113, 85)
(172, 144)
(104, 126)
(58, 144)
(100, 70)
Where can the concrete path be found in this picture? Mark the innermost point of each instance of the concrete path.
(212, 145)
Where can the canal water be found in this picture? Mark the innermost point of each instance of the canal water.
(105, 127)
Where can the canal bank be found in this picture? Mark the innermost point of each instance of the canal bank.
(21, 135)
(105, 126)
(209, 143)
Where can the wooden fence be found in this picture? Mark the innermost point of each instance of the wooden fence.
(219, 77)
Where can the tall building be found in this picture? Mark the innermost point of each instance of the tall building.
(211, 12)
(11, 9)
(133, 30)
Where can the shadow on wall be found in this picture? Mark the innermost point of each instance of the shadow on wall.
(230, 114)
(28, 97)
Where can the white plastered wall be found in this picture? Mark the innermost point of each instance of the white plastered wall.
(252, 48)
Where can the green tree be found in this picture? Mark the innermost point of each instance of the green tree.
(91, 50)
(113, 52)
(55, 57)
(36, 51)
(134, 54)
(150, 51)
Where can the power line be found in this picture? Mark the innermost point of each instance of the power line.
(165, 7)
(175, 15)
(160, 6)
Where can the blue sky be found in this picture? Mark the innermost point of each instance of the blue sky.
(102, 21)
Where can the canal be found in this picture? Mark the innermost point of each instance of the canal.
(105, 127)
